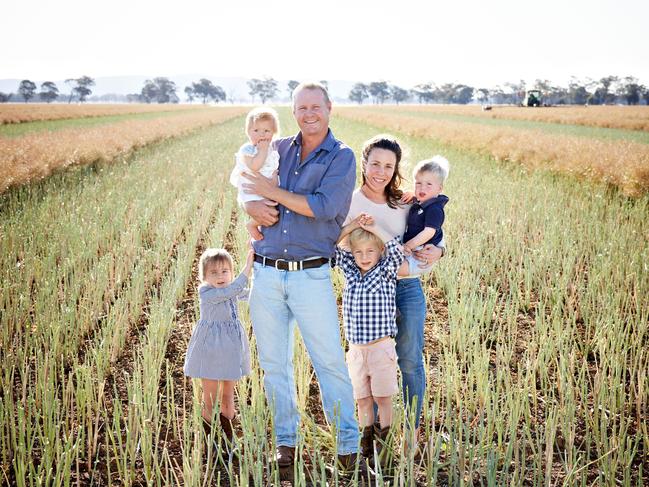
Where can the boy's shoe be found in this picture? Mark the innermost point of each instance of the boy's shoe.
(383, 445)
(347, 465)
(367, 438)
(285, 456)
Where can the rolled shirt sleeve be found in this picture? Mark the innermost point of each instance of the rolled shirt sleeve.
(333, 196)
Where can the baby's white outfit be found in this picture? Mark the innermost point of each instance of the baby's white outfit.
(267, 169)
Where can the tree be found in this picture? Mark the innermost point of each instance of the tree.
(134, 98)
(577, 92)
(4, 97)
(359, 93)
(161, 90)
(205, 89)
(49, 92)
(605, 92)
(266, 89)
(424, 92)
(482, 95)
(27, 89)
(379, 91)
(189, 92)
(290, 86)
(631, 90)
(517, 91)
(81, 89)
(399, 94)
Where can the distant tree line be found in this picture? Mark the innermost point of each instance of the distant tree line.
(607, 90)
(49, 92)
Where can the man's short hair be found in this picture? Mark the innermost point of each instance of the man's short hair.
(311, 85)
(437, 165)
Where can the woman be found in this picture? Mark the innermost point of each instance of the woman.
(380, 196)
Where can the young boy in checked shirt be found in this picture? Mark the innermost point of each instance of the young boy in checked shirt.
(370, 267)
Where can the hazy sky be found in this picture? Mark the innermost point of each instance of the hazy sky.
(482, 43)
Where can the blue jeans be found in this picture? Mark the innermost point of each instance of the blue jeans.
(278, 300)
(411, 304)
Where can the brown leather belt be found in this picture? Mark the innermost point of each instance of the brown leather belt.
(291, 265)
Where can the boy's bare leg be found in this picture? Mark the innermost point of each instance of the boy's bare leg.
(365, 411)
(385, 410)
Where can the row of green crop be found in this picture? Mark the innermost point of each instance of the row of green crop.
(541, 368)
(86, 257)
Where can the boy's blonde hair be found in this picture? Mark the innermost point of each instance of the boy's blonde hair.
(217, 256)
(263, 113)
(361, 235)
(437, 165)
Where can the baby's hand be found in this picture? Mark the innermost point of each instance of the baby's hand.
(407, 197)
(407, 251)
(263, 144)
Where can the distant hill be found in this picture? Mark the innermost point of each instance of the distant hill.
(235, 87)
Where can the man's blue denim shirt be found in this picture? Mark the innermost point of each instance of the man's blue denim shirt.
(327, 178)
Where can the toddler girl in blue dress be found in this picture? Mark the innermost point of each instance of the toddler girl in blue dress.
(218, 351)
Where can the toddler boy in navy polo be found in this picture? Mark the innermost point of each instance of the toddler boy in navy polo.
(426, 216)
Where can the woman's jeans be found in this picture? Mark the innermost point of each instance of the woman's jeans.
(411, 306)
(279, 300)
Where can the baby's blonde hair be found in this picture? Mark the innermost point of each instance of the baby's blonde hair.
(217, 256)
(260, 114)
(361, 235)
(437, 165)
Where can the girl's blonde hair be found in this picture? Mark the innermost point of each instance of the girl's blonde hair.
(263, 114)
(217, 256)
(361, 235)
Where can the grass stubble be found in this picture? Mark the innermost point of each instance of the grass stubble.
(536, 332)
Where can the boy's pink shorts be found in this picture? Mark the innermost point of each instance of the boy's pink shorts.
(373, 369)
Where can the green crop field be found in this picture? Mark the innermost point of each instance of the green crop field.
(537, 332)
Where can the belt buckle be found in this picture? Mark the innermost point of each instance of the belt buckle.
(277, 261)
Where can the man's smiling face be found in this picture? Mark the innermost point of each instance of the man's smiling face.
(311, 112)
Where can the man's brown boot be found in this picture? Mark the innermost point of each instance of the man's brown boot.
(285, 456)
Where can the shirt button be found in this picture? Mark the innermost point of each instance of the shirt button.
(285, 250)
(296, 172)
(287, 211)
(284, 231)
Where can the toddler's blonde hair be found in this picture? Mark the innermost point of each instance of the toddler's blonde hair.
(263, 114)
(437, 165)
(217, 256)
(361, 235)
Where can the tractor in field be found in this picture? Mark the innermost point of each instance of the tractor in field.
(533, 98)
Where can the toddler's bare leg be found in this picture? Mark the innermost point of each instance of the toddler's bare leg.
(227, 398)
(385, 410)
(210, 396)
(365, 411)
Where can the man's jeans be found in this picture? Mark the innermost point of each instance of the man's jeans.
(411, 304)
(278, 300)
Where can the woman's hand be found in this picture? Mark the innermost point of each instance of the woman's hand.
(407, 197)
(428, 255)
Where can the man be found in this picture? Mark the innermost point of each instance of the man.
(292, 275)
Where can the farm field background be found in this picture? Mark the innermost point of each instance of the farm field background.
(536, 335)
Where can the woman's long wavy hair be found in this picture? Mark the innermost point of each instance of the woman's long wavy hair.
(393, 192)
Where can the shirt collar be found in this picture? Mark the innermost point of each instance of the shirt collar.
(327, 144)
(429, 202)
